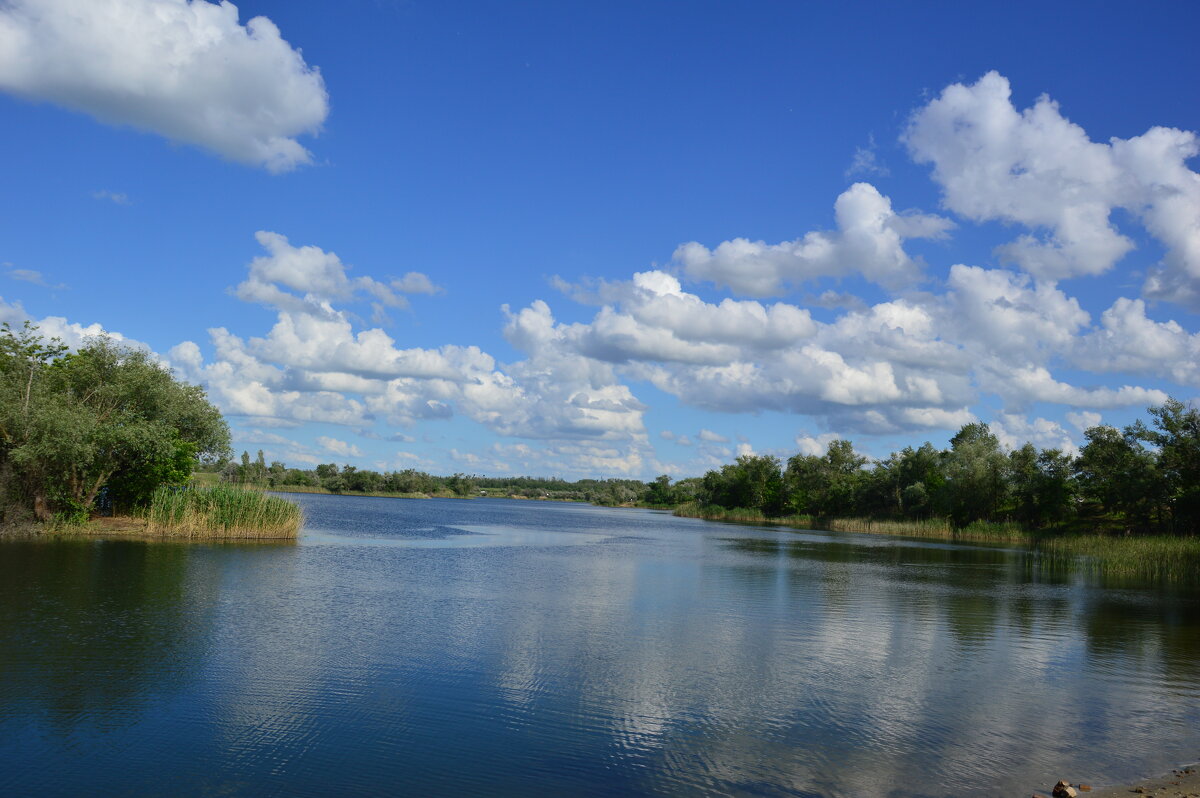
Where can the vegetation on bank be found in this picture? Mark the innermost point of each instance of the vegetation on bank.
(411, 483)
(1144, 480)
(222, 512)
(105, 425)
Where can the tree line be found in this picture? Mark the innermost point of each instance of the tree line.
(349, 479)
(1142, 479)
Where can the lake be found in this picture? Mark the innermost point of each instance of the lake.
(495, 647)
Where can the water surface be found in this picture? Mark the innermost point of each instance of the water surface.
(492, 647)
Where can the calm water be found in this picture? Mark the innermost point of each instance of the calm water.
(509, 648)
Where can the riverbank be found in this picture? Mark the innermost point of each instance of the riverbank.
(1151, 557)
(1179, 783)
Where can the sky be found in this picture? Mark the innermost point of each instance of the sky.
(613, 239)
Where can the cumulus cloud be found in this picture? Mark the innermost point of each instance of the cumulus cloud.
(1084, 420)
(815, 445)
(868, 241)
(1021, 385)
(1128, 341)
(1040, 170)
(71, 333)
(184, 69)
(338, 447)
(708, 436)
(306, 279)
(1014, 431)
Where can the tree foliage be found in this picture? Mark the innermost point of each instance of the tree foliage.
(106, 416)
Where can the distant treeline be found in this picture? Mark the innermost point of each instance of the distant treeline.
(410, 482)
(1143, 479)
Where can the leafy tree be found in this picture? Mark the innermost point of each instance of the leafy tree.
(975, 485)
(826, 485)
(1116, 473)
(107, 415)
(1176, 435)
(753, 482)
(659, 491)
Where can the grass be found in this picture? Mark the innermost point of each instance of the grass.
(1144, 558)
(221, 511)
(1158, 558)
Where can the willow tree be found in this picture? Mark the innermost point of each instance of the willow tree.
(108, 415)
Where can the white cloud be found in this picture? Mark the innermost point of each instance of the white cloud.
(708, 436)
(184, 69)
(1128, 341)
(1021, 385)
(815, 445)
(1014, 431)
(1084, 420)
(1002, 312)
(869, 241)
(338, 447)
(318, 277)
(73, 334)
(1038, 169)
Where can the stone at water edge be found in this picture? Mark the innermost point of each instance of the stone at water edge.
(1064, 790)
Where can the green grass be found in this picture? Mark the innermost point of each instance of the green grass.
(1158, 558)
(1140, 558)
(221, 511)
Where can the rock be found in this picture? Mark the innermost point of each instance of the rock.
(1064, 790)
(1085, 788)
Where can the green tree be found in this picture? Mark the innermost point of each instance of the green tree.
(753, 482)
(828, 485)
(1176, 435)
(1116, 473)
(975, 486)
(659, 491)
(107, 415)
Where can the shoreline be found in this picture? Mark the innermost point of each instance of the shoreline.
(1181, 782)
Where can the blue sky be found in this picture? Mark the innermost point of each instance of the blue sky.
(614, 239)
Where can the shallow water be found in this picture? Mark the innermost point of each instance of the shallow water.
(492, 647)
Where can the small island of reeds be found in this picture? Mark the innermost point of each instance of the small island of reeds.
(221, 512)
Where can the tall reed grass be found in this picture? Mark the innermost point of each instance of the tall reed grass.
(221, 511)
(1154, 557)
(939, 528)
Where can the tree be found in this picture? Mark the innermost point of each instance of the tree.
(659, 491)
(827, 485)
(753, 482)
(1118, 474)
(107, 415)
(975, 469)
(1176, 435)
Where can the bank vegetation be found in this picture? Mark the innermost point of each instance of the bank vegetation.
(108, 430)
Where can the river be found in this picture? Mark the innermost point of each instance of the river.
(494, 647)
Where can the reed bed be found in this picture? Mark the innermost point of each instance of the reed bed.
(1138, 558)
(1154, 557)
(939, 528)
(222, 511)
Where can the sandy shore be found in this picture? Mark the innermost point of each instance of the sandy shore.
(1179, 783)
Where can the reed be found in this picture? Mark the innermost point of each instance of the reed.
(938, 528)
(221, 511)
(1155, 557)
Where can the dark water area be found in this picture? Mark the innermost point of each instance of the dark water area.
(498, 647)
